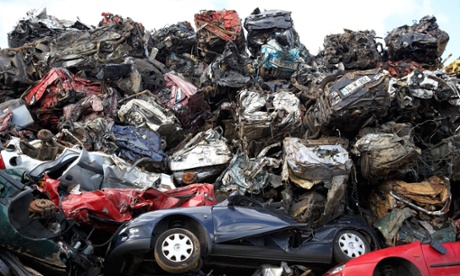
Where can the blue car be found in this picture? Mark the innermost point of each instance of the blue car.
(239, 231)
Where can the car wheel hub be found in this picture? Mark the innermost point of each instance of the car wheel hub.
(351, 245)
(177, 247)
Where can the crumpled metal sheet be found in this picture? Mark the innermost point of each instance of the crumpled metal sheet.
(151, 73)
(21, 116)
(180, 91)
(432, 196)
(308, 207)
(400, 68)
(184, 99)
(95, 170)
(252, 108)
(106, 44)
(425, 84)
(136, 144)
(57, 88)
(249, 175)
(387, 152)
(263, 26)
(403, 226)
(141, 113)
(15, 154)
(231, 69)
(91, 107)
(349, 103)
(434, 191)
(308, 165)
(354, 49)
(91, 170)
(205, 149)
(20, 68)
(390, 224)
(174, 39)
(114, 71)
(92, 135)
(265, 118)
(317, 207)
(278, 62)
(111, 205)
(215, 29)
(430, 103)
(39, 24)
(423, 42)
(444, 158)
(187, 65)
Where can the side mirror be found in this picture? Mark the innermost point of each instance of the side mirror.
(436, 245)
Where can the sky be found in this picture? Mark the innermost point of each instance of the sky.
(313, 20)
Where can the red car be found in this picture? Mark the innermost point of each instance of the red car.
(414, 259)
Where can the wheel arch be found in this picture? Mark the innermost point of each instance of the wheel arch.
(414, 271)
(186, 222)
(373, 243)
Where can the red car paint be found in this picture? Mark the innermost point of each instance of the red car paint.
(427, 260)
(54, 89)
(120, 204)
(181, 90)
(225, 24)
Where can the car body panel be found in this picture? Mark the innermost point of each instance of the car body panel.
(443, 264)
(234, 222)
(421, 254)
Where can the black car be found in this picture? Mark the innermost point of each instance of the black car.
(239, 231)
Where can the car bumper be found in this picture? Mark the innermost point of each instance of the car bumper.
(361, 270)
(117, 257)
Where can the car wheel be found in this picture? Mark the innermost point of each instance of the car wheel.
(177, 250)
(349, 244)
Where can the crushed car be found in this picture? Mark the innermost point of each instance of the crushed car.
(240, 231)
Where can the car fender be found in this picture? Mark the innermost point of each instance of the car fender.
(410, 252)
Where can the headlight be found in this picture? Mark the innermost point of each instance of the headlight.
(337, 269)
(134, 233)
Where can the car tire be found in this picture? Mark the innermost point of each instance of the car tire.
(395, 268)
(349, 244)
(177, 250)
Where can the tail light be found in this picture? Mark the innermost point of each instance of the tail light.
(2, 164)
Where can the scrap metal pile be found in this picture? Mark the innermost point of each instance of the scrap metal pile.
(362, 127)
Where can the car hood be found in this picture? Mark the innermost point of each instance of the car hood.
(238, 222)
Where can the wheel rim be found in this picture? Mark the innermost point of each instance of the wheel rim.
(177, 247)
(352, 245)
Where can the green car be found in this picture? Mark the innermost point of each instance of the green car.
(37, 240)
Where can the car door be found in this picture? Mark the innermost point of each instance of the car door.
(443, 264)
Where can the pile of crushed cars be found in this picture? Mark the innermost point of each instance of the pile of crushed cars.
(100, 118)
